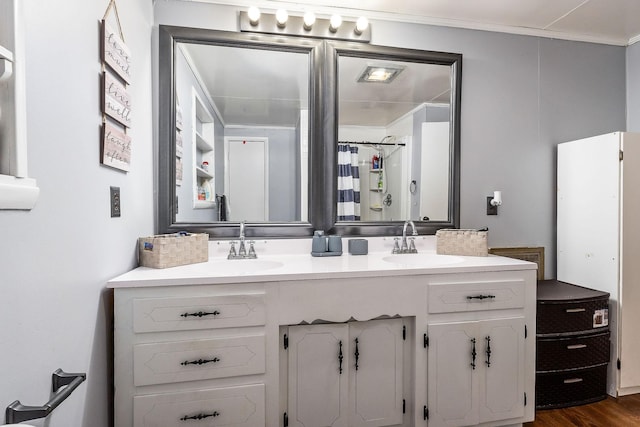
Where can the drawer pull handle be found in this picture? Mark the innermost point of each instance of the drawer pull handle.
(199, 416)
(357, 354)
(200, 314)
(473, 353)
(340, 357)
(488, 362)
(480, 297)
(576, 346)
(575, 310)
(200, 361)
(573, 380)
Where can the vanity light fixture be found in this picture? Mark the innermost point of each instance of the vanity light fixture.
(379, 74)
(334, 23)
(281, 17)
(254, 15)
(361, 25)
(307, 25)
(494, 202)
(308, 20)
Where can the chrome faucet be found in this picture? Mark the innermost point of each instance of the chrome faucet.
(242, 251)
(406, 246)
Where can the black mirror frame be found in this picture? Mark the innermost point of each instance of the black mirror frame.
(335, 49)
(166, 197)
(323, 132)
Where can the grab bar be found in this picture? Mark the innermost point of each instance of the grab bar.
(17, 412)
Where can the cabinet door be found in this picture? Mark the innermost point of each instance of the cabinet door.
(376, 373)
(452, 379)
(501, 351)
(318, 379)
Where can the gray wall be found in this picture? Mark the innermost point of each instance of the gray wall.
(521, 96)
(56, 259)
(633, 88)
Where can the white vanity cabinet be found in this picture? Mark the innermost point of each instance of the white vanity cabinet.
(340, 342)
(348, 374)
(476, 340)
(190, 354)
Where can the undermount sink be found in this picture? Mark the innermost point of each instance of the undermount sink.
(422, 260)
(244, 266)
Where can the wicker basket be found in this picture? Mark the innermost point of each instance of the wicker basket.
(170, 250)
(461, 242)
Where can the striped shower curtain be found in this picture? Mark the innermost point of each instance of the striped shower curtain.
(348, 183)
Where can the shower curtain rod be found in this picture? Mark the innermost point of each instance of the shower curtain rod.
(401, 144)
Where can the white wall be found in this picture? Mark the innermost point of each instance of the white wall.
(56, 259)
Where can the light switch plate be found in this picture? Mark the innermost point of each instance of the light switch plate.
(115, 201)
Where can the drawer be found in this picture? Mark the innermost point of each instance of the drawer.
(188, 313)
(242, 406)
(570, 388)
(176, 361)
(555, 354)
(572, 316)
(452, 297)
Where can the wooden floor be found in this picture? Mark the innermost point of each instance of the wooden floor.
(621, 412)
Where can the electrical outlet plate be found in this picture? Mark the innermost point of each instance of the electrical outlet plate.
(115, 201)
(491, 210)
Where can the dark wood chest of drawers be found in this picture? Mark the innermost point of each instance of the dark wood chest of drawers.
(572, 342)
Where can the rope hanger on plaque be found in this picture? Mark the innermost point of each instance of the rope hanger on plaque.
(115, 150)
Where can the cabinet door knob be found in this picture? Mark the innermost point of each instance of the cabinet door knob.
(480, 297)
(199, 416)
(200, 361)
(201, 314)
(473, 353)
(488, 339)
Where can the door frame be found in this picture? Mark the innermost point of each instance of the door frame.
(265, 142)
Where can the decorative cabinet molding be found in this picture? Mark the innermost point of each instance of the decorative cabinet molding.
(346, 374)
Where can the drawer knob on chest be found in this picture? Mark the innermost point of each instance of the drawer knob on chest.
(576, 346)
(201, 314)
(199, 361)
(575, 310)
(199, 416)
(573, 380)
(480, 297)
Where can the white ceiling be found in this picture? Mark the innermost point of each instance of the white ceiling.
(614, 22)
(254, 88)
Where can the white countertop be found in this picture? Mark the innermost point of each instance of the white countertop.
(286, 260)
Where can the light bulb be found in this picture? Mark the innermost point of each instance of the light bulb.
(254, 15)
(334, 23)
(361, 25)
(281, 17)
(309, 19)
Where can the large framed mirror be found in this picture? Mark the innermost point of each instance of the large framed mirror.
(252, 127)
(236, 132)
(395, 140)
